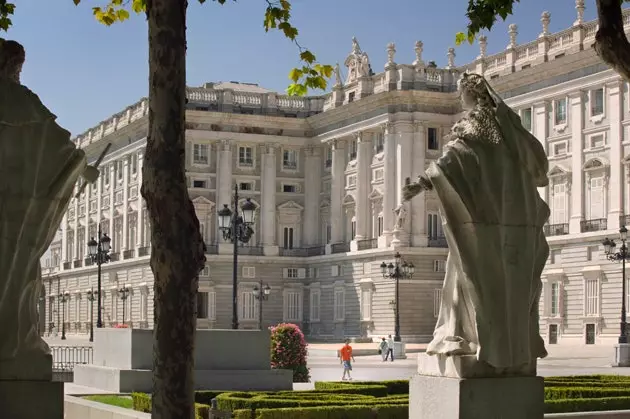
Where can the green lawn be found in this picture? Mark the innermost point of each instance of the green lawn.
(120, 401)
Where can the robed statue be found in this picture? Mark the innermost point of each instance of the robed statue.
(493, 221)
(39, 167)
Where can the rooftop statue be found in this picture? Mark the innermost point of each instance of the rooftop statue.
(39, 167)
(493, 221)
(358, 63)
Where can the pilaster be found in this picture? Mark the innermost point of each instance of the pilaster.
(268, 192)
(312, 182)
(140, 217)
(64, 239)
(404, 157)
(577, 160)
(336, 193)
(364, 159)
(418, 205)
(540, 131)
(112, 187)
(615, 208)
(389, 180)
(75, 243)
(224, 181)
(125, 206)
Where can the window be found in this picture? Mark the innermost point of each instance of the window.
(334, 270)
(212, 305)
(328, 233)
(70, 246)
(314, 306)
(432, 139)
(596, 141)
(328, 162)
(555, 299)
(353, 228)
(351, 181)
(437, 301)
(134, 163)
(105, 176)
(554, 256)
(339, 304)
(144, 305)
(439, 265)
(559, 213)
(366, 304)
(205, 272)
(118, 235)
(291, 273)
(560, 149)
(77, 308)
(118, 197)
(288, 188)
(119, 170)
(352, 149)
(351, 97)
(287, 240)
(81, 244)
(597, 198)
(526, 118)
(434, 229)
(246, 186)
(293, 306)
(379, 225)
(592, 253)
(248, 306)
(597, 102)
(289, 159)
(591, 297)
(560, 111)
(379, 143)
(200, 154)
(202, 305)
(93, 205)
(249, 272)
(377, 174)
(245, 156)
(200, 184)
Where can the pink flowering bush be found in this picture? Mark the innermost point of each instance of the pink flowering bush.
(121, 326)
(288, 351)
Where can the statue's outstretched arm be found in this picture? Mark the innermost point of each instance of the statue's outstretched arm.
(410, 190)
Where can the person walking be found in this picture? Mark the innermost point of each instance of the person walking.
(346, 355)
(390, 348)
(382, 349)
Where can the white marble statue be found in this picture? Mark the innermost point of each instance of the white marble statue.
(401, 216)
(358, 63)
(493, 221)
(39, 167)
(338, 82)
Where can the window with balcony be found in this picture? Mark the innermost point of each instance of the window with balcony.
(434, 227)
(287, 238)
(559, 204)
(597, 102)
(433, 142)
(526, 118)
(245, 156)
(560, 111)
(289, 159)
(201, 155)
(596, 195)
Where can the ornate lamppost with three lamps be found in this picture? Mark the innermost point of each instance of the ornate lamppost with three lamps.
(261, 293)
(621, 255)
(91, 296)
(236, 228)
(98, 250)
(398, 270)
(64, 299)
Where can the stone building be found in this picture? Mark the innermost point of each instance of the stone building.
(325, 174)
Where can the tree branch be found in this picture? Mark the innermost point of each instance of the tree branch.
(611, 42)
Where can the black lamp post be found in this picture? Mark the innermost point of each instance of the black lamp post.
(99, 252)
(261, 293)
(124, 294)
(621, 255)
(397, 271)
(91, 296)
(64, 299)
(237, 228)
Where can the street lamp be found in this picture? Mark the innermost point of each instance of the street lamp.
(91, 296)
(621, 255)
(124, 294)
(397, 271)
(64, 299)
(261, 293)
(99, 252)
(236, 228)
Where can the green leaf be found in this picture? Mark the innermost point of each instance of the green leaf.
(76, 2)
(296, 89)
(460, 37)
(295, 75)
(307, 57)
(122, 14)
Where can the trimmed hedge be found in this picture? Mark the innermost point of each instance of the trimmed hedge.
(587, 405)
(392, 386)
(330, 412)
(142, 403)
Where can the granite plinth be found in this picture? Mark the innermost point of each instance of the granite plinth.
(20, 399)
(622, 355)
(432, 397)
(467, 366)
(29, 368)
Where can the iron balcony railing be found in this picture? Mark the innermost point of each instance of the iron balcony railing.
(439, 241)
(556, 229)
(596, 224)
(340, 247)
(367, 244)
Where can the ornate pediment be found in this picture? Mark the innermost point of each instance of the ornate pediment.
(375, 194)
(558, 171)
(243, 200)
(290, 206)
(596, 163)
(200, 200)
(348, 200)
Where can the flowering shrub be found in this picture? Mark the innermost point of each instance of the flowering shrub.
(121, 326)
(288, 351)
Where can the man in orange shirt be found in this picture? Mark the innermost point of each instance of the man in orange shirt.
(346, 355)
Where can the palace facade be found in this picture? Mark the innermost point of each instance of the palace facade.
(325, 174)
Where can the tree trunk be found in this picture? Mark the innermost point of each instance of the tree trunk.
(611, 42)
(177, 254)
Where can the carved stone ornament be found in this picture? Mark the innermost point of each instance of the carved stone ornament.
(358, 63)
(35, 197)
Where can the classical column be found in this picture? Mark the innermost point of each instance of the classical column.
(389, 183)
(336, 191)
(268, 204)
(362, 202)
(75, 244)
(539, 130)
(224, 186)
(140, 217)
(313, 184)
(575, 112)
(112, 187)
(125, 226)
(615, 209)
(64, 239)
(403, 171)
(418, 212)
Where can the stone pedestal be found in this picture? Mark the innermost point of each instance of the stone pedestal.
(31, 399)
(622, 355)
(464, 388)
(399, 350)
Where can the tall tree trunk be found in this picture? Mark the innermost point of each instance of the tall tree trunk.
(177, 254)
(611, 42)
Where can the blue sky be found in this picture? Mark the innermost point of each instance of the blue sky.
(85, 72)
